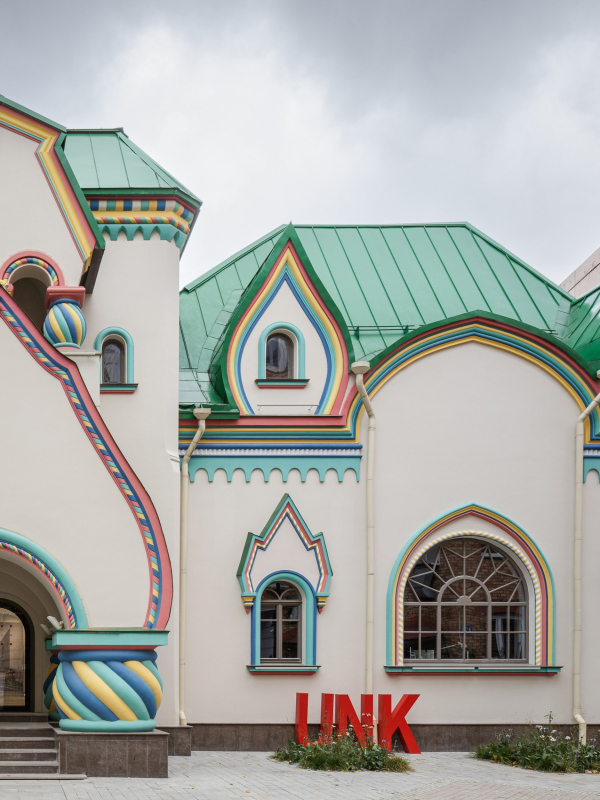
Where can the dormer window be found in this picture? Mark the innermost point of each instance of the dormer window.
(279, 357)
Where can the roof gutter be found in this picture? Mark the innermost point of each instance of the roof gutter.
(577, 565)
(359, 368)
(201, 414)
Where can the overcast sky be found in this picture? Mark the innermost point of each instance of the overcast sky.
(337, 111)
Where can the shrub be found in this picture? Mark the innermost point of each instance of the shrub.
(342, 754)
(543, 748)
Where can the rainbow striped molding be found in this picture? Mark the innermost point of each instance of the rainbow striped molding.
(132, 491)
(286, 509)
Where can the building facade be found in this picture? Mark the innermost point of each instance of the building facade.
(365, 479)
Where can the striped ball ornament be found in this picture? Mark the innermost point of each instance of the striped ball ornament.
(65, 324)
(107, 690)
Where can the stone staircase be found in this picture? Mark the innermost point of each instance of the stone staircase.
(28, 749)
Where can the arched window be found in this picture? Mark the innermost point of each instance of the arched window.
(279, 356)
(113, 361)
(465, 600)
(280, 623)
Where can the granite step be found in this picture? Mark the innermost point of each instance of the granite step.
(24, 754)
(12, 730)
(40, 776)
(28, 742)
(34, 768)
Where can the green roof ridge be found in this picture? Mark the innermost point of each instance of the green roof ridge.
(189, 287)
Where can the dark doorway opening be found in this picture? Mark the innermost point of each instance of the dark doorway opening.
(30, 295)
(16, 647)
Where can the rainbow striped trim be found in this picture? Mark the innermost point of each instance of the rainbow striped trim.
(40, 262)
(288, 270)
(286, 509)
(55, 583)
(70, 208)
(557, 360)
(161, 586)
(517, 541)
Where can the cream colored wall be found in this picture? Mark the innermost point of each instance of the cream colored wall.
(31, 217)
(58, 493)
(285, 308)
(137, 289)
(468, 424)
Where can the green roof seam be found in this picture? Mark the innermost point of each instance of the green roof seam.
(468, 268)
(383, 286)
(418, 260)
(494, 273)
(458, 294)
(394, 259)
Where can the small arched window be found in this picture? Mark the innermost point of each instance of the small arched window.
(465, 600)
(279, 357)
(113, 361)
(280, 623)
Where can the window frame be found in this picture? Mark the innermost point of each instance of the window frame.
(309, 622)
(122, 345)
(279, 621)
(299, 354)
(439, 604)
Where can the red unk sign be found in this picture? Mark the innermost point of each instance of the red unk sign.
(338, 710)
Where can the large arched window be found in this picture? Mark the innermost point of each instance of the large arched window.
(280, 623)
(279, 356)
(113, 361)
(465, 600)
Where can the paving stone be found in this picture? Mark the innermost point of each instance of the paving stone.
(254, 776)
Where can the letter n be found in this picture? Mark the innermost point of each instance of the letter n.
(326, 732)
(392, 721)
(344, 714)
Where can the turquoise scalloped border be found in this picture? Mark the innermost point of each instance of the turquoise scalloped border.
(266, 465)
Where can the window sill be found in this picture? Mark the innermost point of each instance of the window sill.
(118, 388)
(282, 669)
(288, 383)
(438, 669)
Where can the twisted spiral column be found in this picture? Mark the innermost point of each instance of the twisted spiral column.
(107, 690)
(49, 703)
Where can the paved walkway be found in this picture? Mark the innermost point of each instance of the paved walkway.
(251, 776)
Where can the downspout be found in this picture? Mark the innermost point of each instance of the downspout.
(359, 368)
(201, 414)
(577, 561)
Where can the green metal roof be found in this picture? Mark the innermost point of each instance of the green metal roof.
(386, 280)
(583, 330)
(107, 159)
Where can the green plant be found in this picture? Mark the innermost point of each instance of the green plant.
(543, 748)
(342, 754)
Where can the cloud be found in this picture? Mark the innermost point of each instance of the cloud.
(336, 111)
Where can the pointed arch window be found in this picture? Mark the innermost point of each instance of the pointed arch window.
(466, 600)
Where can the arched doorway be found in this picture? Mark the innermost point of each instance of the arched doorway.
(16, 631)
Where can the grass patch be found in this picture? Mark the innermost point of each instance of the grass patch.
(342, 754)
(543, 748)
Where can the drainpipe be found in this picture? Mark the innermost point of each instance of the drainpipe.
(201, 414)
(577, 543)
(359, 368)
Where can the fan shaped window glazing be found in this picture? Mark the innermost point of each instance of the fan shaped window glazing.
(465, 600)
